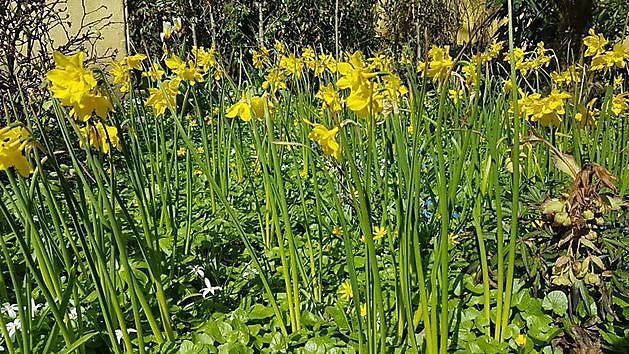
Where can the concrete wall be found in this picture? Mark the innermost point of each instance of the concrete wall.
(108, 23)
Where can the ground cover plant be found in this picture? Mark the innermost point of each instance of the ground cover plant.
(469, 202)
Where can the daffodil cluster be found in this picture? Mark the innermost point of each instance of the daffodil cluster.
(572, 74)
(440, 65)
(76, 87)
(121, 71)
(602, 58)
(249, 107)
(527, 62)
(546, 110)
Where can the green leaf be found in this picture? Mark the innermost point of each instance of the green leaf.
(259, 312)
(319, 345)
(557, 301)
(234, 348)
(218, 330)
(338, 316)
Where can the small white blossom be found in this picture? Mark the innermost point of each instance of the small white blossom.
(13, 328)
(10, 310)
(209, 289)
(199, 271)
(119, 333)
(35, 308)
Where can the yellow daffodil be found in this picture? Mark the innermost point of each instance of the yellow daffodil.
(440, 63)
(292, 65)
(161, 98)
(594, 43)
(89, 103)
(155, 73)
(620, 103)
(260, 57)
(309, 57)
(249, 107)
(567, 77)
(354, 73)
(393, 87)
(134, 61)
(326, 138)
(100, 136)
(280, 47)
(206, 59)
(586, 115)
(185, 71)
(365, 101)
(609, 59)
(274, 81)
(330, 98)
(120, 73)
(493, 51)
(547, 110)
(456, 95)
(13, 142)
(69, 79)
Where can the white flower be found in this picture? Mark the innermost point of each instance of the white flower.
(167, 31)
(209, 288)
(177, 26)
(35, 308)
(119, 333)
(199, 271)
(10, 310)
(14, 327)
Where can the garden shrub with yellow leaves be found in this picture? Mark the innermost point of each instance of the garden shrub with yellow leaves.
(312, 203)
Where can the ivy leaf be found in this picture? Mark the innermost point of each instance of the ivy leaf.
(557, 301)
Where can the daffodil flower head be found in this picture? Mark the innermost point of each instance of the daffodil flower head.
(161, 98)
(586, 114)
(594, 43)
(620, 103)
(326, 138)
(330, 98)
(69, 79)
(13, 144)
(100, 137)
(440, 64)
(355, 73)
(134, 61)
(249, 107)
(155, 73)
(365, 101)
(120, 73)
(206, 59)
